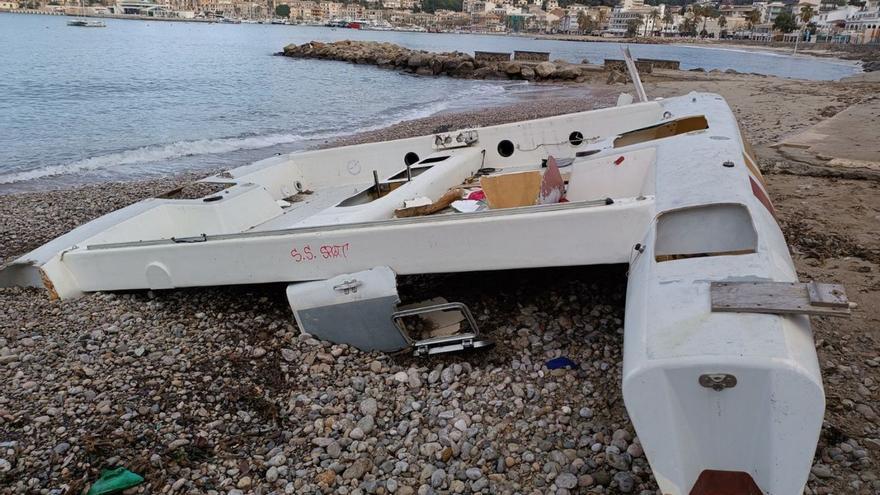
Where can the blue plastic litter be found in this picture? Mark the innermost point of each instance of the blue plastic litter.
(560, 362)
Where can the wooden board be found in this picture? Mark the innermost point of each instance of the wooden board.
(779, 298)
(512, 190)
(447, 199)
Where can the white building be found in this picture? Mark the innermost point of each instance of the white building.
(630, 10)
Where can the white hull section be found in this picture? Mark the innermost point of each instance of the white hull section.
(719, 400)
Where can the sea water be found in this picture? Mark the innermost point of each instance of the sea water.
(144, 98)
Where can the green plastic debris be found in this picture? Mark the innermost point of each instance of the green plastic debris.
(115, 480)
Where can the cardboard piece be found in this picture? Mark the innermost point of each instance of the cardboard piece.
(512, 190)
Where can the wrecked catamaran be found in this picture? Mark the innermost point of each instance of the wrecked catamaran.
(721, 381)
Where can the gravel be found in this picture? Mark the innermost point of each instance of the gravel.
(214, 390)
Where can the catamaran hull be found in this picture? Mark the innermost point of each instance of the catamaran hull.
(722, 402)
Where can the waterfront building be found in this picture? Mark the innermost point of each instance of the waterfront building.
(863, 26)
(141, 7)
(630, 10)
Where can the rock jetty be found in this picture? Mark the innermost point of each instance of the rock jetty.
(453, 64)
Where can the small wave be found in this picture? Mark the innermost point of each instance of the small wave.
(478, 94)
(155, 153)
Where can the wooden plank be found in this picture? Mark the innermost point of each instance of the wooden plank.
(447, 199)
(774, 298)
(829, 295)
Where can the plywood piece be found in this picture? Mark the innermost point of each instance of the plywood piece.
(512, 190)
(776, 298)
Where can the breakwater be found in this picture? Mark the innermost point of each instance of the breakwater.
(454, 64)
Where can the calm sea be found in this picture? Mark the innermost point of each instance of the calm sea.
(142, 98)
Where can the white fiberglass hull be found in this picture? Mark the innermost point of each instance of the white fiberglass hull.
(671, 178)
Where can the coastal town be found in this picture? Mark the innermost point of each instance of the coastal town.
(811, 21)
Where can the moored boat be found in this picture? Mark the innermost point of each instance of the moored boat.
(86, 23)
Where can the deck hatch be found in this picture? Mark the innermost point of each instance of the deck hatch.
(706, 230)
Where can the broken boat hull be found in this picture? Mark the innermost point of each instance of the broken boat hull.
(719, 400)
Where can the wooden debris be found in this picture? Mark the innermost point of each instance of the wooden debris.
(780, 298)
(416, 211)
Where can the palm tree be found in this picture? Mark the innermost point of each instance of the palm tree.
(668, 17)
(601, 17)
(807, 13)
(697, 17)
(707, 11)
(653, 16)
(753, 18)
(632, 25)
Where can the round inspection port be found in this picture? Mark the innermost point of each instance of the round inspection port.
(410, 158)
(576, 138)
(505, 148)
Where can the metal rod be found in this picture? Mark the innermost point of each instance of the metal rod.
(376, 180)
(408, 172)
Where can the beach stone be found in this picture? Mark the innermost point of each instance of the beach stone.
(545, 69)
(272, 474)
(366, 424)
(625, 481)
(278, 460)
(288, 355)
(356, 434)
(438, 477)
(327, 477)
(620, 462)
(357, 469)
(566, 480)
(822, 471)
(369, 407)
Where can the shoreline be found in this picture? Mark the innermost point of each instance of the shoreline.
(538, 102)
(215, 389)
(860, 56)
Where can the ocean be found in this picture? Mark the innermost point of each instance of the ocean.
(141, 98)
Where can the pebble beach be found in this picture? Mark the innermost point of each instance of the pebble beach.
(215, 390)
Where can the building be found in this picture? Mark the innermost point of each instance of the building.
(142, 7)
(635, 10)
(863, 27)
